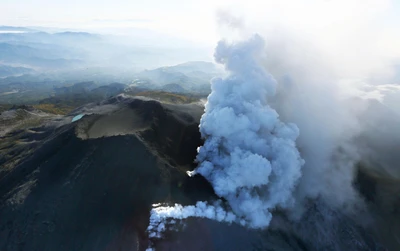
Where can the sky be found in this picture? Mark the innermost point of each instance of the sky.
(185, 19)
(195, 21)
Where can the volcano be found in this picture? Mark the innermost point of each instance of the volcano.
(90, 185)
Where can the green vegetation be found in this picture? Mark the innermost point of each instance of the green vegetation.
(54, 108)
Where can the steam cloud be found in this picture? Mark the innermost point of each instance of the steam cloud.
(161, 216)
(325, 85)
(249, 155)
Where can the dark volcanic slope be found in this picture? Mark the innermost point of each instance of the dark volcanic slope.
(96, 193)
(77, 194)
(89, 185)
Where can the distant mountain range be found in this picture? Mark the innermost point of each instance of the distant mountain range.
(39, 65)
(42, 49)
(186, 77)
(13, 28)
(6, 70)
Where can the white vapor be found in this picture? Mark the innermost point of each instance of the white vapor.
(311, 96)
(164, 218)
(249, 155)
(326, 55)
(290, 122)
(161, 216)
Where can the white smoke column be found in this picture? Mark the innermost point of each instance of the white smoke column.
(165, 217)
(312, 96)
(161, 216)
(321, 55)
(249, 155)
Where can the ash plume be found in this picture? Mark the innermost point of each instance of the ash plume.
(297, 139)
(249, 155)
